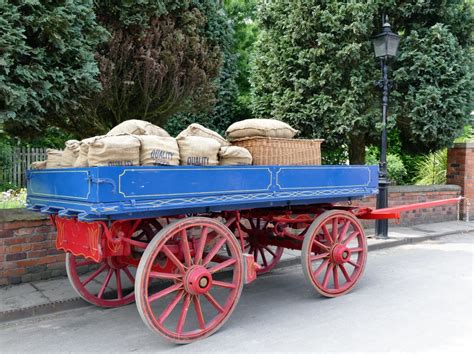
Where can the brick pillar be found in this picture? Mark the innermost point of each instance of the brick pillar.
(461, 172)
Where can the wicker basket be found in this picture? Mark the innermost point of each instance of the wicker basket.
(277, 151)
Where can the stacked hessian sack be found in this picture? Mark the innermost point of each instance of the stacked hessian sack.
(200, 146)
(136, 142)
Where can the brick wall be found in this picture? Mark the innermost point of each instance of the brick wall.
(461, 171)
(27, 251)
(400, 195)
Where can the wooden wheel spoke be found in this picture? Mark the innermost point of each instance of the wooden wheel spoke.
(354, 250)
(344, 272)
(319, 256)
(350, 237)
(198, 310)
(165, 292)
(320, 268)
(184, 312)
(335, 276)
(173, 258)
(264, 260)
(118, 280)
(335, 223)
(105, 283)
(343, 232)
(202, 244)
(213, 251)
(222, 265)
(327, 274)
(170, 307)
(319, 244)
(213, 302)
(252, 224)
(223, 284)
(270, 251)
(94, 275)
(170, 276)
(355, 265)
(185, 248)
(244, 228)
(327, 235)
(129, 275)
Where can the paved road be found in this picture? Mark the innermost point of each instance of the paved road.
(411, 298)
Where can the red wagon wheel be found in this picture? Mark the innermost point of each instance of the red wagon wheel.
(109, 283)
(100, 285)
(195, 299)
(334, 253)
(267, 256)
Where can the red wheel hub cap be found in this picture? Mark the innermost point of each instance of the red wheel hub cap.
(340, 254)
(198, 280)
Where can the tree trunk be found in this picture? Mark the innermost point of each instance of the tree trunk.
(357, 149)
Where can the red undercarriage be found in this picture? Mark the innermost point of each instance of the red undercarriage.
(284, 228)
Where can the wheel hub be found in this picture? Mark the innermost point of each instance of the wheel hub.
(340, 254)
(198, 280)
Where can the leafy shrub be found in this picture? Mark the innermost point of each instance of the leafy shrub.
(432, 168)
(395, 168)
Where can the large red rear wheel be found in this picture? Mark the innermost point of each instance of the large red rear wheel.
(334, 253)
(195, 298)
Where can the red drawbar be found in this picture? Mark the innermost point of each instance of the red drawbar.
(394, 212)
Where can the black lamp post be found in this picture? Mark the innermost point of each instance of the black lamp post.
(385, 47)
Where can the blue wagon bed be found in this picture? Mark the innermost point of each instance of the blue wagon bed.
(99, 193)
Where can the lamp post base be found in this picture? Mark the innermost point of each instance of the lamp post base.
(381, 226)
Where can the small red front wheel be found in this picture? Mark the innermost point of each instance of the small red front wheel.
(194, 298)
(105, 284)
(334, 253)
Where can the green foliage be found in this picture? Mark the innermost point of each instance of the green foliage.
(314, 68)
(467, 135)
(163, 57)
(434, 88)
(223, 112)
(47, 64)
(432, 168)
(243, 16)
(395, 168)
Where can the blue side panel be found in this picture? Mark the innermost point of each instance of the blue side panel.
(147, 191)
(192, 181)
(297, 178)
(66, 183)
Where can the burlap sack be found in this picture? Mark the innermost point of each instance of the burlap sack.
(196, 129)
(137, 127)
(38, 165)
(122, 150)
(271, 128)
(81, 160)
(198, 151)
(234, 155)
(71, 152)
(157, 150)
(55, 158)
